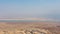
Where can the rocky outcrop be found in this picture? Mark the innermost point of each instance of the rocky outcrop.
(26, 31)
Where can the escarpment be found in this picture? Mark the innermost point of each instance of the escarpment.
(25, 31)
(29, 28)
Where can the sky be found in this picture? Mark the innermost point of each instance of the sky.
(30, 9)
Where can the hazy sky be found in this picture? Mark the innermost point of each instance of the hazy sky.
(30, 9)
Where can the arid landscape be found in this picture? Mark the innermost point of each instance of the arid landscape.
(29, 28)
(29, 16)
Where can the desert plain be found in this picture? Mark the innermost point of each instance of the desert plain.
(29, 27)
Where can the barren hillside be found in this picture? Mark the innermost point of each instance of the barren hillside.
(29, 28)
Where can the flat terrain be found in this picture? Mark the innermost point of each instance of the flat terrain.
(29, 28)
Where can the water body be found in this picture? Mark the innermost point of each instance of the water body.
(24, 21)
(18, 20)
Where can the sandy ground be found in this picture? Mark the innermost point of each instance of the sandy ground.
(29, 27)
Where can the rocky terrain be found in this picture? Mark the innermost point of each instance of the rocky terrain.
(29, 28)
